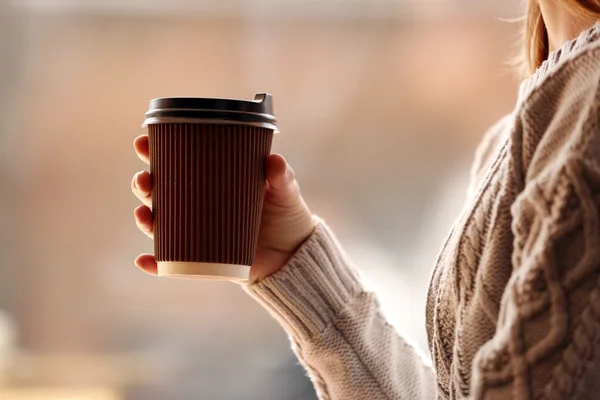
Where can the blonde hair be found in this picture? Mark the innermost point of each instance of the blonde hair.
(536, 46)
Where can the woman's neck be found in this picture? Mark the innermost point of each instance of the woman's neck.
(561, 24)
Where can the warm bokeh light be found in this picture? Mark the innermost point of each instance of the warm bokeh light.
(51, 393)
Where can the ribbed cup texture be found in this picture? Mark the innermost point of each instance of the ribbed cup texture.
(208, 191)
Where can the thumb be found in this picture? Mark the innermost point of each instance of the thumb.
(281, 178)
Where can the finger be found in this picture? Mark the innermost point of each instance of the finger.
(144, 220)
(141, 186)
(147, 263)
(140, 144)
(279, 174)
(281, 179)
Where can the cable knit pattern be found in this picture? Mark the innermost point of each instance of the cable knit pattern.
(513, 309)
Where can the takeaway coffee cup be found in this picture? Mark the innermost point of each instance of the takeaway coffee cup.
(207, 160)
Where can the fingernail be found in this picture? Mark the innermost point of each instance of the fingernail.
(135, 181)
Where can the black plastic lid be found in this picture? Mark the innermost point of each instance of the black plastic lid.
(258, 112)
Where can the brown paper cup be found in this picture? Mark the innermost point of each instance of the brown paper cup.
(208, 189)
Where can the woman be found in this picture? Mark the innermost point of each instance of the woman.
(513, 307)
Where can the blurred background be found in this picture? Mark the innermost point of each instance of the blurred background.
(381, 105)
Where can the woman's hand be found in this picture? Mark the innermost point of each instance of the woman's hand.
(285, 224)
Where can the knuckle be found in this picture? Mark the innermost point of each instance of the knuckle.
(134, 181)
(291, 173)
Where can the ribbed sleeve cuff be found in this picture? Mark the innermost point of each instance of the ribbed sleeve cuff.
(315, 285)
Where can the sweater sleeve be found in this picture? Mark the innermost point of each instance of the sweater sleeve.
(546, 341)
(337, 329)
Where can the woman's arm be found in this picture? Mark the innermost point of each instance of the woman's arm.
(337, 329)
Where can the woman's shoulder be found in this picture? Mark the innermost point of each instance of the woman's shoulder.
(559, 119)
(569, 76)
(557, 111)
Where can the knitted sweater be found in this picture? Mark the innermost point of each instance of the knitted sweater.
(513, 309)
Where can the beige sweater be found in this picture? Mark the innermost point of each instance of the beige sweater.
(513, 308)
